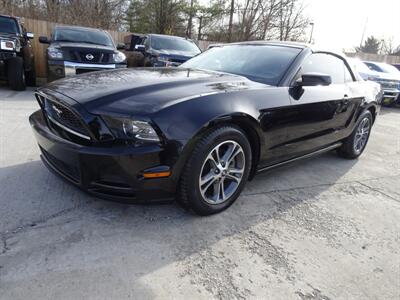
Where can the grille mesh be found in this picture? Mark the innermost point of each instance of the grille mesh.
(61, 114)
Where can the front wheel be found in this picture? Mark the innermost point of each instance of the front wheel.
(354, 145)
(217, 171)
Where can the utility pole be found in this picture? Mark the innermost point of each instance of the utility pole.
(312, 31)
(363, 34)
(231, 20)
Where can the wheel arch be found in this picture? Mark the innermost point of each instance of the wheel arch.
(244, 122)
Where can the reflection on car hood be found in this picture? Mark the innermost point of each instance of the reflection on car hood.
(145, 90)
(81, 45)
(178, 53)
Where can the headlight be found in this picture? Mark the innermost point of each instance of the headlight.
(54, 53)
(119, 57)
(7, 45)
(129, 129)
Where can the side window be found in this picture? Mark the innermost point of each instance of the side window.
(324, 63)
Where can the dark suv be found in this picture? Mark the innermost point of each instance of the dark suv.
(17, 64)
(75, 50)
(163, 50)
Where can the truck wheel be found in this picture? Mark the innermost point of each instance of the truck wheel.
(16, 74)
(31, 77)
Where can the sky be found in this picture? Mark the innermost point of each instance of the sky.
(340, 23)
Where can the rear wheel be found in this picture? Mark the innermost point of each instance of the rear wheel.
(16, 73)
(354, 145)
(217, 171)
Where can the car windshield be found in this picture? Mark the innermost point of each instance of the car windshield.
(373, 67)
(389, 68)
(174, 43)
(262, 63)
(83, 36)
(359, 65)
(8, 25)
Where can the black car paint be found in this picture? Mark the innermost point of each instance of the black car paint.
(26, 51)
(183, 103)
(154, 57)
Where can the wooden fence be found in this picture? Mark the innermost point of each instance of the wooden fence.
(44, 28)
(389, 59)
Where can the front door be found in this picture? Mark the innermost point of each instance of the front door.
(319, 113)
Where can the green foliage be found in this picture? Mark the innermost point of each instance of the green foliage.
(371, 45)
(157, 16)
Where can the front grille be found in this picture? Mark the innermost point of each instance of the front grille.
(89, 57)
(63, 119)
(389, 84)
(6, 55)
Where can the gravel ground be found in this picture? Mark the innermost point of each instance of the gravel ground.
(325, 228)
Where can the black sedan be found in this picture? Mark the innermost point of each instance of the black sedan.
(200, 131)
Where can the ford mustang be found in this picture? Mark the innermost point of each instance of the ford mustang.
(198, 132)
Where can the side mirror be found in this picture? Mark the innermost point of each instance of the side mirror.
(120, 46)
(140, 48)
(30, 35)
(44, 40)
(314, 79)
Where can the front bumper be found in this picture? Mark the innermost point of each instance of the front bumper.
(112, 172)
(390, 96)
(60, 69)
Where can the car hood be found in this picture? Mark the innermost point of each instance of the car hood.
(145, 90)
(81, 45)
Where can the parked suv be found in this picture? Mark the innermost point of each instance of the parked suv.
(17, 64)
(75, 50)
(389, 78)
(163, 50)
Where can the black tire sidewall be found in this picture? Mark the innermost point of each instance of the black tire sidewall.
(16, 73)
(205, 145)
(347, 150)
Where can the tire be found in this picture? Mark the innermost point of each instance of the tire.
(16, 74)
(206, 197)
(354, 145)
(31, 77)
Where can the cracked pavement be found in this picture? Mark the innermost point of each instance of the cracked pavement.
(324, 228)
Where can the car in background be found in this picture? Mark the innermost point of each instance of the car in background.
(214, 45)
(17, 63)
(390, 84)
(397, 66)
(74, 50)
(389, 79)
(165, 50)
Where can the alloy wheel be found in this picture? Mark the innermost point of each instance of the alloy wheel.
(362, 133)
(222, 172)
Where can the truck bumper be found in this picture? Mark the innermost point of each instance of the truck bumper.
(60, 69)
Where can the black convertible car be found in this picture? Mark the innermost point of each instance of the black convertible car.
(202, 130)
